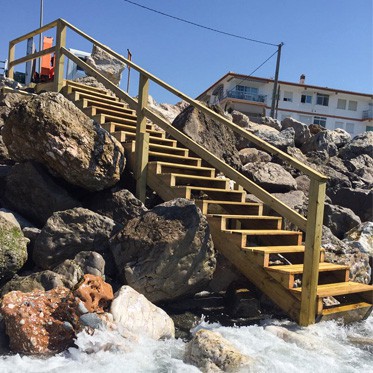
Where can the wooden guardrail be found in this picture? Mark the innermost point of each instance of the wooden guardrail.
(312, 226)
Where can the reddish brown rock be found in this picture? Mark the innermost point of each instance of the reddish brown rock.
(94, 293)
(40, 322)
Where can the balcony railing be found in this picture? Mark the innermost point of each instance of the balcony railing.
(246, 96)
(368, 114)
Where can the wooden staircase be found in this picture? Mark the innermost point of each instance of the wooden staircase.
(269, 256)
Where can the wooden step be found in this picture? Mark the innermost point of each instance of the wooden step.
(174, 179)
(114, 127)
(264, 254)
(349, 313)
(164, 149)
(125, 136)
(267, 237)
(340, 288)
(115, 105)
(125, 116)
(78, 95)
(166, 167)
(76, 87)
(194, 192)
(73, 83)
(229, 221)
(285, 274)
(220, 207)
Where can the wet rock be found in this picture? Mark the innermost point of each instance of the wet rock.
(51, 130)
(360, 144)
(167, 252)
(69, 232)
(46, 197)
(251, 155)
(301, 131)
(134, 313)
(95, 294)
(120, 205)
(40, 322)
(270, 176)
(340, 219)
(210, 352)
(358, 200)
(44, 280)
(213, 136)
(13, 249)
(106, 64)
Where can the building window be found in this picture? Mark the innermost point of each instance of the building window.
(341, 104)
(352, 105)
(339, 125)
(306, 99)
(322, 99)
(288, 96)
(250, 90)
(350, 128)
(369, 128)
(320, 121)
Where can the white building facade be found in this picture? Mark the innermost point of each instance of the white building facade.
(328, 107)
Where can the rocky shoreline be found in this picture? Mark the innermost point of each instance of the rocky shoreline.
(80, 254)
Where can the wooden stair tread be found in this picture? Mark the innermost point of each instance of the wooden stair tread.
(346, 308)
(277, 249)
(340, 288)
(72, 83)
(193, 177)
(247, 217)
(126, 136)
(215, 202)
(118, 112)
(115, 105)
(78, 95)
(131, 120)
(298, 268)
(207, 189)
(177, 165)
(262, 231)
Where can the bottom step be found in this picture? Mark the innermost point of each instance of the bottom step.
(349, 313)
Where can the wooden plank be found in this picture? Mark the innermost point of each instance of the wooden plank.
(59, 57)
(11, 57)
(142, 149)
(312, 252)
(32, 56)
(298, 268)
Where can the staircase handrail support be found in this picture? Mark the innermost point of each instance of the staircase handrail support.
(312, 225)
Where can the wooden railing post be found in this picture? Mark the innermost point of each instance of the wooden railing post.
(59, 57)
(142, 139)
(11, 57)
(312, 252)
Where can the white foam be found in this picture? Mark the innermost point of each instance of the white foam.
(276, 346)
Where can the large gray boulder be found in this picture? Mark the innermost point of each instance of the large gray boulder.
(106, 64)
(302, 133)
(360, 201)
(251, 155)
(166, 111)
(13, 248)
(270, 176)
(360, 144)
(51, 130)
(167, 252)
(361, 168)
(322, 141)
(34, 193)
(69, 232)
(118, 204)
(133, 313)
(215, 137)
(340, 219)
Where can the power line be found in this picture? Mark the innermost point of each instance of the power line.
(201, 26)
(248, 76)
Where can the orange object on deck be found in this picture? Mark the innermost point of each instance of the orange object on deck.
(47, 61)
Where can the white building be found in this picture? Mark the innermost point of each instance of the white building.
(329, 107)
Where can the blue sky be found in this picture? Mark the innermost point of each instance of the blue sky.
(330, 41)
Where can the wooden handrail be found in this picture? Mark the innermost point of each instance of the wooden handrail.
(32, 56)
(256, 140)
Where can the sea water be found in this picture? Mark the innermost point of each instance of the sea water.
(276, 345)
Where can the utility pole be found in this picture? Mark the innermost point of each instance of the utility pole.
(41, 35)
(274, 94)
